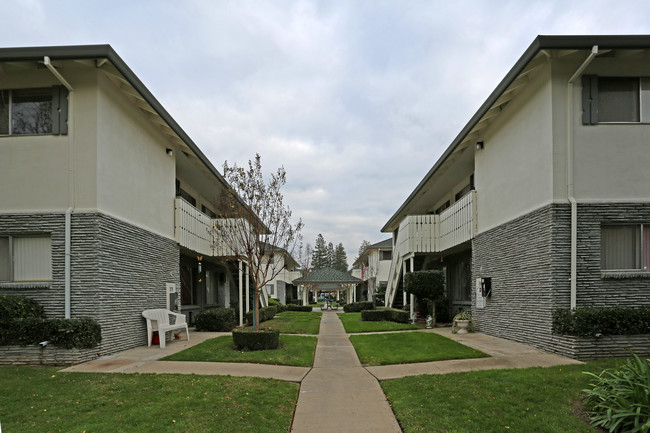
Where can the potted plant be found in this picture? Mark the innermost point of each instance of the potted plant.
(462, 322)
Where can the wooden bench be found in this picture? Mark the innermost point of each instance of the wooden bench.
(158, 320)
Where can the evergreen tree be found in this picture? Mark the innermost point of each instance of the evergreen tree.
(340, 259)
(319, 255)
(364, 245)
(330, 255)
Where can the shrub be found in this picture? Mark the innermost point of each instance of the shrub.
(82, 333)
(589, 321)
(356, 307)
(277, 304)
(463, 315)
(375, 315)
(263, 339)
(19, 307)
(216, 320)
(266, 313)
(303, 308)
(390, 315)
(619, 399)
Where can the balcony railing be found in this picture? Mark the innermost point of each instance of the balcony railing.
(195, 230)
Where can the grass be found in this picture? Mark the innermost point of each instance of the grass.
(352, 323)
(294, 350)
(42, 399)
(408, 347)
(295, 322)
(541, 400)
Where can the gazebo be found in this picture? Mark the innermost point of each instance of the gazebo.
(327, 279)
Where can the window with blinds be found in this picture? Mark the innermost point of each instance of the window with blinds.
(625, 247)
(26, 258)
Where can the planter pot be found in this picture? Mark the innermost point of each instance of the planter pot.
(462, 326)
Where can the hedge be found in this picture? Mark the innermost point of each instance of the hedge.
(216, 320)
(390, 315)
(265, 313)
(82, 333)
(303, 308)
(277, 304)
(590, 321)
(356, 307)
(263, 339)
(19, 307)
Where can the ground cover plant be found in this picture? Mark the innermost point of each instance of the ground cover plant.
(409, 347)
(294, 350)
(619, 399)
(352, 323)
(295, 322)
(540, 400)
(43, 399)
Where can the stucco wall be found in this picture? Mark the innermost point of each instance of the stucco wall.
(513, 173)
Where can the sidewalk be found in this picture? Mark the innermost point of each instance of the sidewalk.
(338, 394)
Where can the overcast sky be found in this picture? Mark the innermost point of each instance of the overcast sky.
(356, 99)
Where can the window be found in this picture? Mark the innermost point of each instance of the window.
(625, 247)
(463, 192)
(442, 207)
(34, 111)
(25, 258)
(270, 289)
(615, 99)
(208, 211)
(385, 255)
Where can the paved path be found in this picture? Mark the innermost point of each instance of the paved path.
(338, 394)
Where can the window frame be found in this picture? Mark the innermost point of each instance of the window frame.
(12, 259)
(590, 100)
(58, 111)
(643, 254)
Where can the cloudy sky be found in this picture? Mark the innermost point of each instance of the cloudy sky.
(356, 99)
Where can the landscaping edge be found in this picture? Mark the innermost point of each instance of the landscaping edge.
(48, 355)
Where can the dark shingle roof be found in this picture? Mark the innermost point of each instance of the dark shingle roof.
(327, 276)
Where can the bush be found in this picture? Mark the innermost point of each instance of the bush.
(216, 320)
(589, 321)
(266, 313)
(83, 333)
(356, 307)
(375, 315)
(294, 302)
(303, 308)
(19, 307)
(619, 399)
(263, 339)
(390, 315)
(277, 304)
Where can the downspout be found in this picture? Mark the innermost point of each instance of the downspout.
(570, 176)
(71, 202)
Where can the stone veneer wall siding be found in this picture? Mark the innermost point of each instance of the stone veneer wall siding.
(529, 262)
(518, 257)
(118, 270)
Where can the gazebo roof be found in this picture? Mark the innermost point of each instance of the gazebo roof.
(327, 276)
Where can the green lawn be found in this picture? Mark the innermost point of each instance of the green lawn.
(294, 350)
(540, 400)
(295, 322)
(352, 323)
(41, 399)
(408, 347)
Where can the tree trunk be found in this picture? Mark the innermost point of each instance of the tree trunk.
(256, 310)
(433, 315)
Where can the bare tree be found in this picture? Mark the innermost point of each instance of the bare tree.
(253, 231)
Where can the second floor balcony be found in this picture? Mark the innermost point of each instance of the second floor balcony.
(436, 233)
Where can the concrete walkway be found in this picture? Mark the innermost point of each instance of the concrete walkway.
(338, 394)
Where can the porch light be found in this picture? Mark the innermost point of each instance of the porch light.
(480, 145)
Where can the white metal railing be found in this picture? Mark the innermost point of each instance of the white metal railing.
(431, 233)
(193, 228)
(458, 222)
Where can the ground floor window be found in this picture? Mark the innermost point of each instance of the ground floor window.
(270, 289)
(27, 258)
(625, 247)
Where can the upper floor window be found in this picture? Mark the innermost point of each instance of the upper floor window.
(625, 247)
(26, 258)
(385, 255)
(615, 99)
(35, 111)
(442, 207)
(208, 211)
